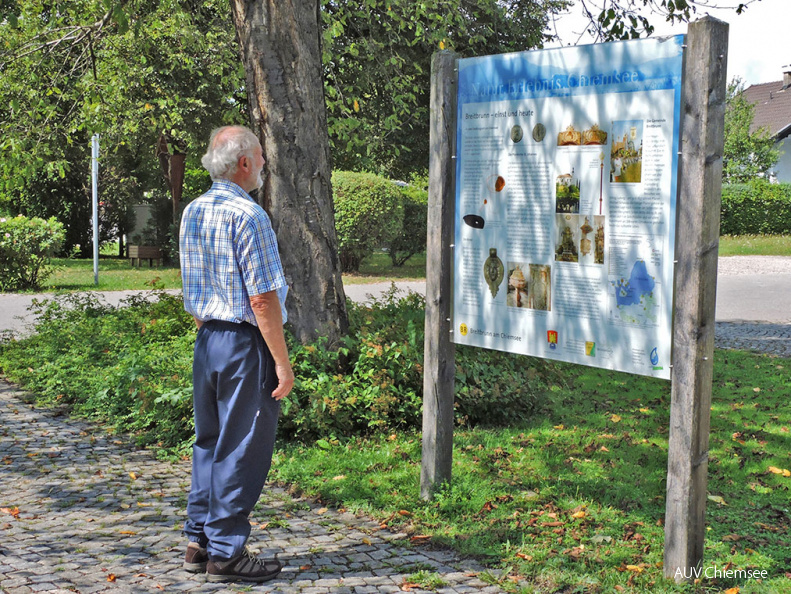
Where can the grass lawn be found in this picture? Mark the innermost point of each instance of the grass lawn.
(755, 245)
(117, 274)
(574, 501)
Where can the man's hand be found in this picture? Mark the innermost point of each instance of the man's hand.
(285, 381)
(266, 308)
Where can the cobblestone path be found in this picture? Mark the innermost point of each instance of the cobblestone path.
(763, 337)
(86, 512)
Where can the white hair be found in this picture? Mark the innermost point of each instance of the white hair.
(222, 157)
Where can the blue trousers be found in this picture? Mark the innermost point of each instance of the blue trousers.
(235, 422)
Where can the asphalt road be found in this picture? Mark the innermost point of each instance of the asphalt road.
(749, 289)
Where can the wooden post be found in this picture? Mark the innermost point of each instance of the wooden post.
(697, 241)
(439, 366)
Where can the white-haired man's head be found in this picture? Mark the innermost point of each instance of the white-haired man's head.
(227, 145)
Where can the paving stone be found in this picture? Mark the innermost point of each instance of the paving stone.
(83, 518)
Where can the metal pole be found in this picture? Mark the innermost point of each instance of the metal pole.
(95, 193)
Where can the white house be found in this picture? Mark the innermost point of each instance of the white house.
(773, 111)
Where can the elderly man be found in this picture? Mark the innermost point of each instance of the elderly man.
(235, 289)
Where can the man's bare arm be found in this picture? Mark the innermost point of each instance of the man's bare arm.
(266, 308)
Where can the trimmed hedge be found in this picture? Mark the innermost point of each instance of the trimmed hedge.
(369, 213)
(757, 208)
(412, 238)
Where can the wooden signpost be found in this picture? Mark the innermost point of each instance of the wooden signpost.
(697, 238)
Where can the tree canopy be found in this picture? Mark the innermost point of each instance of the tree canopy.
(611, 20)
(377, 62)
(747, 155)
(127, 70)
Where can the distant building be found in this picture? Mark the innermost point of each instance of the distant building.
(773, 111)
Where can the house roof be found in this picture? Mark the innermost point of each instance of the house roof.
(772, 108)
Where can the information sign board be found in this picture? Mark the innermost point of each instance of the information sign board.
(566, 176)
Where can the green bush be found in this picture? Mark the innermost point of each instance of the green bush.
(375, 381)
(757, 208)
(412, 238)
(131, 366)
(368, 215)
(26, 246)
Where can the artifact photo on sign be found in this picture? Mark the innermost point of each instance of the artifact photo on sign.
(568, 237)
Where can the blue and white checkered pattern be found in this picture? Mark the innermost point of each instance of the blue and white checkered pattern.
(228, 253)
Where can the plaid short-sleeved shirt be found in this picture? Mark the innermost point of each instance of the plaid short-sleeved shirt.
(228, 253)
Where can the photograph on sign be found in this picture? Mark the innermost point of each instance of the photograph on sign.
(566, 177)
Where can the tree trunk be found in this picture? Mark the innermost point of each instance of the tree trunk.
(281, 51)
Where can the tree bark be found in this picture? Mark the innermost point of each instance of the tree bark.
(281, 51)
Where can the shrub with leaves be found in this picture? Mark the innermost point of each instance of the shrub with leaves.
(368, 215)
(26, 246)
(757, 208)
(375, 381)
(131, 366)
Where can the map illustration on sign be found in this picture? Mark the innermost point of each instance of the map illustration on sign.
(634, 297)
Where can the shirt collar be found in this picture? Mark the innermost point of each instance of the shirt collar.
(229, 186)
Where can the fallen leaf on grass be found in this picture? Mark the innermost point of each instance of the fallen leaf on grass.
(615, 419)
(559, 427)
(551, 524)
(579, 515)
(404, 512)
(619, 588)
(717, 499)
(731, 591)
(776, 470)
(340, 477)
(603, 449)
(600, 538)
(525, 557)
(731, 538)
(645, 410)
(635, 568)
